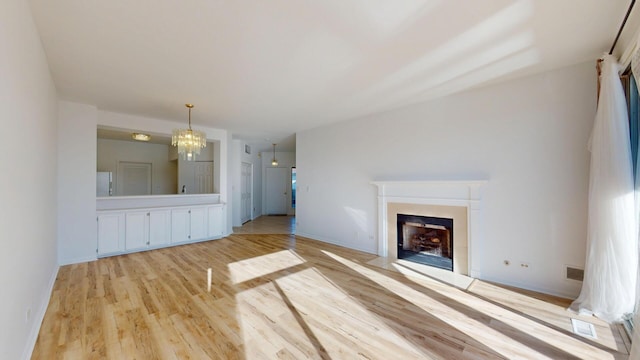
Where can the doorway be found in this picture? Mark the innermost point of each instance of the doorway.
(293, 188)
(246, 192)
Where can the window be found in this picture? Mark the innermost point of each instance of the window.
(293, 187)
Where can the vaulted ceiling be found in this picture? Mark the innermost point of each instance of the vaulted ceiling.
(268, 69)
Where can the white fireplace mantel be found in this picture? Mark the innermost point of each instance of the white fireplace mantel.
(463, 193)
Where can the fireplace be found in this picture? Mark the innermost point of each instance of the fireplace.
(426, 240)
(460, 200)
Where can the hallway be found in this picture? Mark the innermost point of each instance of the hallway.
(268, 225)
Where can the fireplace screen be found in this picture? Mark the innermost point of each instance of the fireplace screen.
(426, 240)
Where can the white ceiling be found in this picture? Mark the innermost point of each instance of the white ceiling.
(268, 69)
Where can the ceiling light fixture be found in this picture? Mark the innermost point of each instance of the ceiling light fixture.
(189, 142)
(141, 137)
(274, 162)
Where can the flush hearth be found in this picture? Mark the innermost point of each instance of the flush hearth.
(426, 240)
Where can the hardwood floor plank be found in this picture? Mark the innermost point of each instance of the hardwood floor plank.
(283, 297)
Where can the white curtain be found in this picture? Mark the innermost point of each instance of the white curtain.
(609, 286)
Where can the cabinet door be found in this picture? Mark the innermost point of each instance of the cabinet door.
(137, 230)
(215, 221)
(110, 233)
(198, 223)
(180, 224)
(159, 227)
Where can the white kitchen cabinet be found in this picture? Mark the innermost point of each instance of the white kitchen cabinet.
(130, 230)
(137, 230)
(159, 227)
(188, 224)
(216, 228)
(147, 228)
(111, 233)
(180, 225)
(198, 223)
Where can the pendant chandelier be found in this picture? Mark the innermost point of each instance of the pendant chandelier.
(274, 162)
(189, 142)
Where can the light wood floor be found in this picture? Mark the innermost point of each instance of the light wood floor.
(268, 225)
(282, 297)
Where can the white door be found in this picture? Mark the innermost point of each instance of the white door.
(204, 177)
(246, 192)
(133, 178)
(277, 181)
(195, 177)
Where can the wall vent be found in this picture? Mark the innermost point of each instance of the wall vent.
(573, 273)
(583, 328)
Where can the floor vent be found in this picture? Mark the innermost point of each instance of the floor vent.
(583, 328)
(574, 273)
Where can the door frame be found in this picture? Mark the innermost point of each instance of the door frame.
(250, 185)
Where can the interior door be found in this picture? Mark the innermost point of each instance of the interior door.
(246, 192)
(134, 178)
(277, 181)
(204, 177)
(195, 177)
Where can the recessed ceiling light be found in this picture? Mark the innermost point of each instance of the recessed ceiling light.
(140, 137)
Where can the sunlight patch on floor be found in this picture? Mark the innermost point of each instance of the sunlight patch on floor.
(409, 268)
(255, 267)
(530, 306)
(294, 302)
(503, 323)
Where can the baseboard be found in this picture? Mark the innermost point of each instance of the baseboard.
(548, 291)
(333, 242)
(39, 317)
(77, 260)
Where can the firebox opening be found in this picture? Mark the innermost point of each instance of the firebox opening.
(426, 240)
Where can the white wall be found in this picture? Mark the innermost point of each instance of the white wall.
(528, 137)
(28, 109)
(163, 172)
(285, 159)
(77, 230)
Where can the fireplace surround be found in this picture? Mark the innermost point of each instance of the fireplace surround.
(459, 200)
